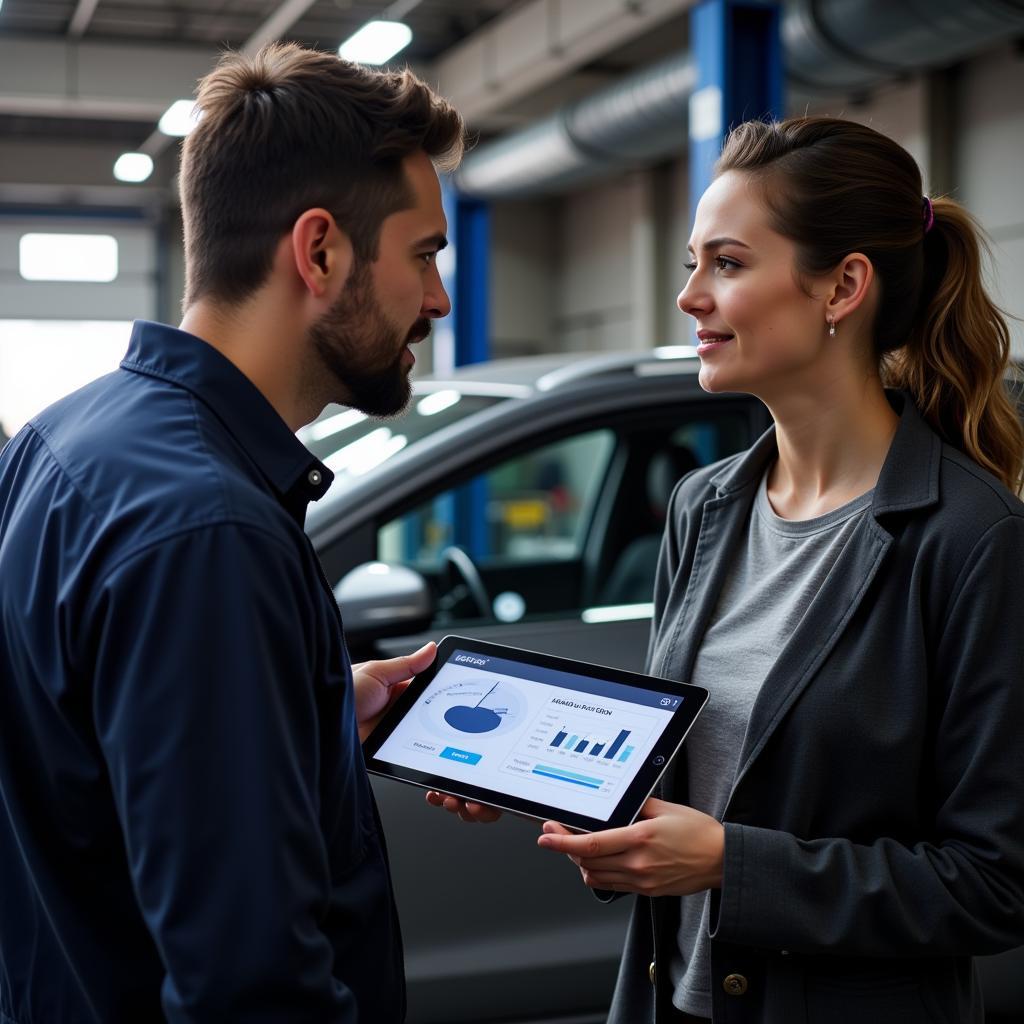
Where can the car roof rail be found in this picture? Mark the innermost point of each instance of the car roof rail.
(664, 359)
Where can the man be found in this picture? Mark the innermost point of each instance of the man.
(186, 827)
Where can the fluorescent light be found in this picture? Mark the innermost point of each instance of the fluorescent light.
(371, 458)
(179, 118)
(366, 453)
(332, 425)
(438, 401)
(376, 42)
(675, 352)
(132, 166)
(46, 257)
(618, 612)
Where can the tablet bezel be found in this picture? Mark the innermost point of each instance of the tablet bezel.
(629, 803)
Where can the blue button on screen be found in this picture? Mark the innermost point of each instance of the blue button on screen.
(464, 756)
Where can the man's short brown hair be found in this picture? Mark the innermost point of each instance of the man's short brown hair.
(288, 130)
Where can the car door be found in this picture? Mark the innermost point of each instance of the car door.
(562, 533)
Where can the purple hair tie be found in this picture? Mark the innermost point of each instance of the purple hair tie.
(929, 215)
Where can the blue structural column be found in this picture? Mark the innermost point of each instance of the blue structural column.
(465, 271)
(738, 51)
(465, 339)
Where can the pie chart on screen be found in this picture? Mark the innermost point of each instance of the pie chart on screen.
(472, 707)
(473, 718)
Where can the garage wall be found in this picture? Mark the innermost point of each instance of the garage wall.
(620, 245)
(988, 162)
(523, 267)
(604, 244)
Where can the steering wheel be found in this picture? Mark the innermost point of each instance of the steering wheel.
(458, 567)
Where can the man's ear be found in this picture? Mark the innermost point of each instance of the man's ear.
(322, 253)
(851, 282)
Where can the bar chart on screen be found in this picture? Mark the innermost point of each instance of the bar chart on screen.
(593, 747)
(590, 747)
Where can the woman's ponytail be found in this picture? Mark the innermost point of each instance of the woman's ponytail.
(954, 363)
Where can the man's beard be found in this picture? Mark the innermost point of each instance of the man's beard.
(363, 351)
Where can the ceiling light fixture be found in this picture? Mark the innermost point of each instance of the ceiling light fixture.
(64, 257)
(132, 166)
(376, 42)
(179, 118)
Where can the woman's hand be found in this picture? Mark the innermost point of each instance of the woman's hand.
(467, 810)
(378, 684)
(671, 850)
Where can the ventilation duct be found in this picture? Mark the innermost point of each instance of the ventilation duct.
(839, 45)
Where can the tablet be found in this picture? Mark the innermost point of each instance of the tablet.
(539, 736)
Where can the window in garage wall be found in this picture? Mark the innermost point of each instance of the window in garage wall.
(43, 360)
(56, 336)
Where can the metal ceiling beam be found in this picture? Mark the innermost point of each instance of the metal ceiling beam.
(276, 25)
(82, 16)
(86, 78)
(273, 28)
(539, 43)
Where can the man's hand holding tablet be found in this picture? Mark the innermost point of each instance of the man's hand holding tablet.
(467, 810)
(378, 684)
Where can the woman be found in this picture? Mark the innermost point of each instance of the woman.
(845, 826)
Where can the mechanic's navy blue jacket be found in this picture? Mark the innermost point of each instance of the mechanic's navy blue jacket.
(186, 827)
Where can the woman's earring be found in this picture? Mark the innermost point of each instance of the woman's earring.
(831, 327)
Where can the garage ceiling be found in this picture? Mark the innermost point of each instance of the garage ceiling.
(436, 24)
(84, 80)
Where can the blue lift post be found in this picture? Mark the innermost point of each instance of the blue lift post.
(466, 276)
(737, 47)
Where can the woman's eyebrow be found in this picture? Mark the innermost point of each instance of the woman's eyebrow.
(717, 243)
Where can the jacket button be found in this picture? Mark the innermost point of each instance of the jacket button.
(650, 972)
(735, 984)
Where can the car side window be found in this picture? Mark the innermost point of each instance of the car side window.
(532, 507)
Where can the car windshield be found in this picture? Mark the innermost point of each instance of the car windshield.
(351, 444)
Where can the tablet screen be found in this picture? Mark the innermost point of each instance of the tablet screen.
(532, 732)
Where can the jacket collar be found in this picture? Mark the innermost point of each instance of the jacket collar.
(187, 361)
(910, 474)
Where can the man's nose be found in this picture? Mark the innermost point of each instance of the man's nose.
(436, 303)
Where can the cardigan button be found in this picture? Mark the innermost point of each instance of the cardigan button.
(650, 972)
(735, 984)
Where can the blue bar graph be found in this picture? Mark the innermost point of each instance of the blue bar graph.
(581, 746)
(625, 754)
(557, 741)
(619, 740)
(569, 743)
(596, 749)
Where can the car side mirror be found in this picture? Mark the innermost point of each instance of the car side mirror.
(379, 600)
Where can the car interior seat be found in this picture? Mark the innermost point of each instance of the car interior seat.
(631, 580)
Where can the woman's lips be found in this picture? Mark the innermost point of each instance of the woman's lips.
(711, 340)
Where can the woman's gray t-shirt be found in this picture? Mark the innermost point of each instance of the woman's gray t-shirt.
(774, 578)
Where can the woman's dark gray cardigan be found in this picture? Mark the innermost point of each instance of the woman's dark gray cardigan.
(875, 833)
